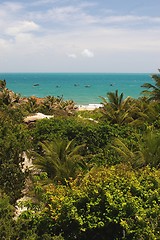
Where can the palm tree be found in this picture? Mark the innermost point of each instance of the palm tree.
(133, 157)
(60, 159)
(144, 111)
(58, 106)
(117, 110)
(115, 100)
(2, 84)
(150, 147)
(148, 152)
(154, 92)
(31, 105)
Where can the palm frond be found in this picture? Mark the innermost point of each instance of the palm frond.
(148, 85)
(59, 158)
(122, 149)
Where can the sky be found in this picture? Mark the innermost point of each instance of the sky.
(80, 36)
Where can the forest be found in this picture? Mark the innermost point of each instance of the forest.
(85, 175)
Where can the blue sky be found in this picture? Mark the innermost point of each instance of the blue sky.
(79, 36)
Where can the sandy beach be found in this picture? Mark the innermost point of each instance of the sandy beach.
(89, 107)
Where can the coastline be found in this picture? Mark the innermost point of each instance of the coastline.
(89, 107)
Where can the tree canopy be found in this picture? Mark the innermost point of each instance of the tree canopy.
(93, 174)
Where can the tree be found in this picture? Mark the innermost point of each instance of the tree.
(150, 147)
(107, 203)
(2, 84)
(115, 100)
(144, 112)
(117, 110)
(58, 106)
(60, 159)
(132, 157)
(153, 91)
(31, 105)
(7, 224)
(14, 140)
(147, 152)
(7, 97)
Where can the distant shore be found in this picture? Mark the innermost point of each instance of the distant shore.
(89, 107)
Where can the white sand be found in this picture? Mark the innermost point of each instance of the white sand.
(89, 107)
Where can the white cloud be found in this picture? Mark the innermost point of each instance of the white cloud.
(72, 55)
(22, 27)
(11, 7)
(59, 31)
(87, 53)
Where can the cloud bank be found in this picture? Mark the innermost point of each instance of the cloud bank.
(42, 35)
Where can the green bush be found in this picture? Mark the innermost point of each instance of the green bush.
(108, 203)
(95, 135)
(7, 223)
(14, 140)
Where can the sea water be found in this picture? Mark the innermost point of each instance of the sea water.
(82, 88)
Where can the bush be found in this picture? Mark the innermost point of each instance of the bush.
(108, 203)
(7, 223)
(96, 135)
(14, 140)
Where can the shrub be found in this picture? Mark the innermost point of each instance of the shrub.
(108, 203)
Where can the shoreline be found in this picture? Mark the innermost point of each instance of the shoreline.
(39, 115)
(88, 107)
(80, 107)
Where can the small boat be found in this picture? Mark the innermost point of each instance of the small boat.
(87, 86)
(35, 85)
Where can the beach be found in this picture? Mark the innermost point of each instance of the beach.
(89, 107)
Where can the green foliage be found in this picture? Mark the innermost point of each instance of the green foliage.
(134, 112)
(60, 159)
(144, 112)
(51, 105)
(14, 141)
(147, 152)
(96, 136)
(135, 158)
(2, 84)
(9, 114)
(153, 91)
(115, 100)
(7, 97)
(12, 180)
(150, 147)
(116, 195)
(7, 223)
(117, 110)
(108, 203)
(49, 237)
(57, 106)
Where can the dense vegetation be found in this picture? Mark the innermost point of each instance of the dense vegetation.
(94, 174)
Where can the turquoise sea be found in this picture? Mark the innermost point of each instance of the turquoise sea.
(83, 88)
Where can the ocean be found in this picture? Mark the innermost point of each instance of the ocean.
(82, 88)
